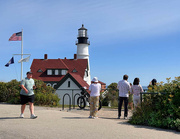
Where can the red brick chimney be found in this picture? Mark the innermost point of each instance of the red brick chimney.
(45, 56)
(75, 56)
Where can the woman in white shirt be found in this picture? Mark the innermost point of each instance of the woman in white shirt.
(94, 89)
(136, 89)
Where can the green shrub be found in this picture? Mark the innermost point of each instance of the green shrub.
(111, 96)
(160, 109)
(9, 92)
(3, 92)
(104, 101)
(177, 124)
(44, 95)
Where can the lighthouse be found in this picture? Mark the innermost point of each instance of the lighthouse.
(83, 50)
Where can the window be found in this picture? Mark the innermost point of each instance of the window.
(82, 33)
(49, 72)
(63, 72)
(56, 72)
(69, 83)
(39, 70)
(74, 70)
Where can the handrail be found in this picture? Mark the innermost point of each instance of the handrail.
(149, 93)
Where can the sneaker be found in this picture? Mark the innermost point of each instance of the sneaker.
(90, 117)
(95, 117)
(118, 118)
(21, 115)
(125, 118)
(33, 116)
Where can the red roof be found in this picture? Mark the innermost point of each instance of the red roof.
(70, 64)
(80, 80)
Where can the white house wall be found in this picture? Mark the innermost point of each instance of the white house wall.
(72, 91)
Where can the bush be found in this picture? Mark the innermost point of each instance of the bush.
(161, 109)
(44, 95)
(3, 92)
(111, 96)
(9, 92)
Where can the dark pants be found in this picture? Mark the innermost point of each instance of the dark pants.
(121, 99)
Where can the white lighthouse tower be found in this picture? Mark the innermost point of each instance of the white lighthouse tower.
(83, 51)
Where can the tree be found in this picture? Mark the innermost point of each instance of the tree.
(112, 86)
(112, 95)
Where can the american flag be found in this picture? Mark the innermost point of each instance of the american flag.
(16, 37)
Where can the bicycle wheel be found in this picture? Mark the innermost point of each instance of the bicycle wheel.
(100, 105)
(81, 102)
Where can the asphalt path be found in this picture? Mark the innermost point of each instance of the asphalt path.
(53, 124)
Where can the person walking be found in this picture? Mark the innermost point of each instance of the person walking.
(124, 88)
(27, 95)
(136, 90)
(94, 89)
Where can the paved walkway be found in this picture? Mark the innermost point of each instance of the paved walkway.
(53, 124)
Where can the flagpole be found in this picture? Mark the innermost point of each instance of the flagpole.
(22, 55)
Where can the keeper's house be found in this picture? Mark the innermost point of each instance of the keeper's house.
(65, 75)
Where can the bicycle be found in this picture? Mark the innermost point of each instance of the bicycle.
(84, 98)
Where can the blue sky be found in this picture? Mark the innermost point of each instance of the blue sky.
(140, 38)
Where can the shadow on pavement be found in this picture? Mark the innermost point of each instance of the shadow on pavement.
(109, 118)
(83, 109)
(3, 118)
(75, 118)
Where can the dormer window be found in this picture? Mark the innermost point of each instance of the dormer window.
(39, 70)
(74, 70)
(63, 72)
(56, 72)
(49, 72)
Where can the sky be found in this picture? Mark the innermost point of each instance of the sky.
(140, 38)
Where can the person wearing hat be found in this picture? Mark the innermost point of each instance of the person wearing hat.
(27, 95)
(94, 89)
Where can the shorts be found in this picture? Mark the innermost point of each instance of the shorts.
(26, 99)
